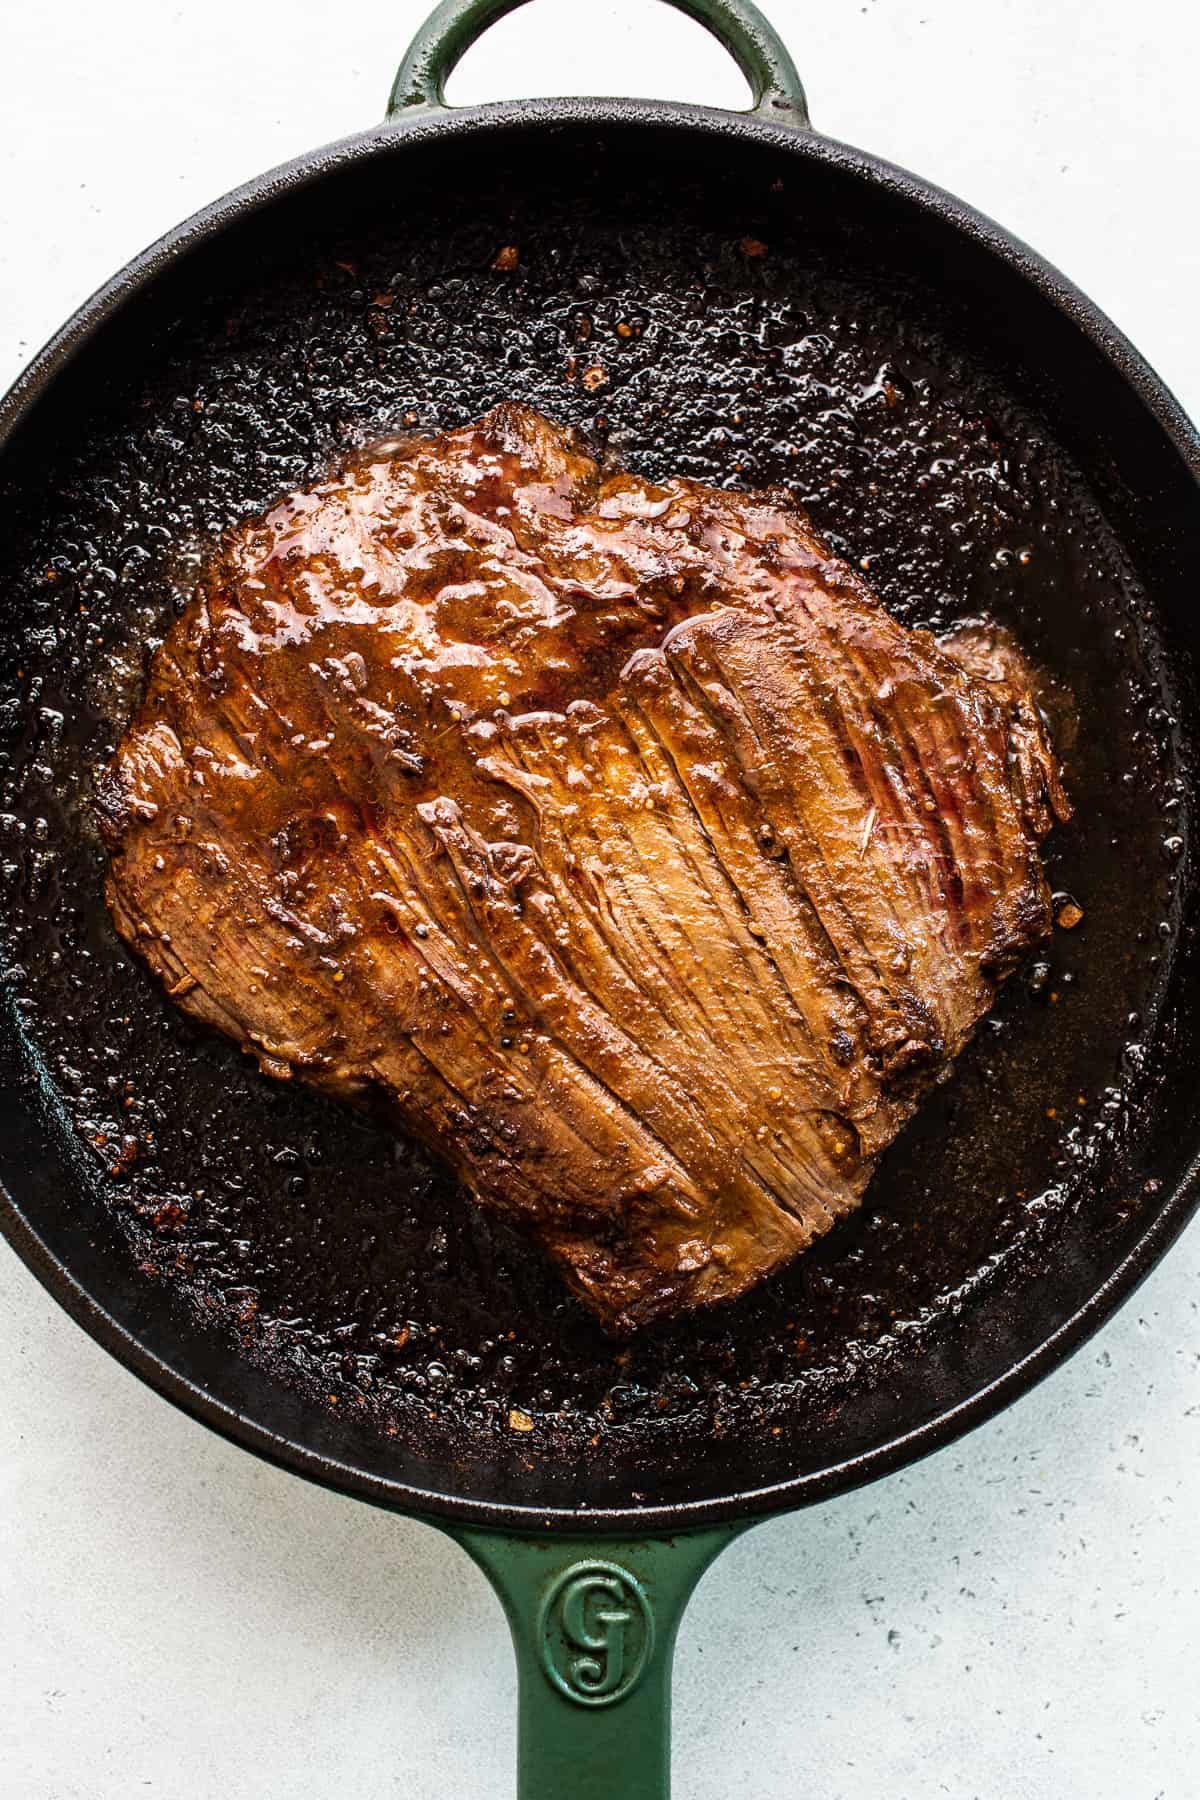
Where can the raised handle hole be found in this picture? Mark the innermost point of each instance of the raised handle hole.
(607, 47)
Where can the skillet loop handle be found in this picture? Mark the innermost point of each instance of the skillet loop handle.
(593, 1623)
(737, 25)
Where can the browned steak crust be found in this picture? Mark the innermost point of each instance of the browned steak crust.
(611, 832)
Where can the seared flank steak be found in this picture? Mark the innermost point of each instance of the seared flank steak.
(609, 832)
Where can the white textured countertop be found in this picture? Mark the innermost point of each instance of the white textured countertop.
(1015, 1619)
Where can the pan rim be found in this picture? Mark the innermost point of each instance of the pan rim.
(1171, 1214)
(649, 1520)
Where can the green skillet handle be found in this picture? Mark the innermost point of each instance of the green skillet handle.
(754, 45)
(593, 1622)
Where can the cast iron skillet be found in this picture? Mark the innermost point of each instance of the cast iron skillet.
(727, 296)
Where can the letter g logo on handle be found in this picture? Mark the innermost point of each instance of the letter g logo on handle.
(595, 1633)
(593, 1618)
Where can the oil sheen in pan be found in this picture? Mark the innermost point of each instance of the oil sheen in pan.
(339, 1255)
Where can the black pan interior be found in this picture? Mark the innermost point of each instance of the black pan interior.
(711, 307)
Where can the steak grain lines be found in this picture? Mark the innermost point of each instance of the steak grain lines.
(609, 834)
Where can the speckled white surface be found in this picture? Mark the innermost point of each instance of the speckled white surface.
(1015, 1619)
